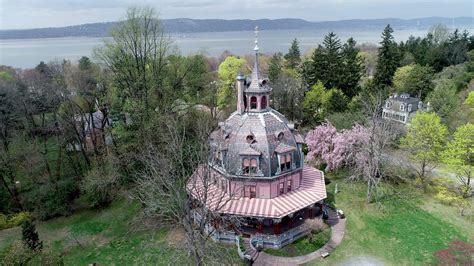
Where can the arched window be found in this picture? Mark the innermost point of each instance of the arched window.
(253, 102)
(263, 102)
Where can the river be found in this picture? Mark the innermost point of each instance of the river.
(27, 53)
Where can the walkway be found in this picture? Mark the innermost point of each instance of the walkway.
(338, 227)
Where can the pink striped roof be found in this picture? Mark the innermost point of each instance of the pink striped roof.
(312, 189)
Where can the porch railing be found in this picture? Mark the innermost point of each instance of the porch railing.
(278, 241)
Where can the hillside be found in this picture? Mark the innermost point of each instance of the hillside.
(183, 25)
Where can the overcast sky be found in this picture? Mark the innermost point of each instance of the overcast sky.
(15, 14)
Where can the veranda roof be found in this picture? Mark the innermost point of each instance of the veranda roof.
(312, 189)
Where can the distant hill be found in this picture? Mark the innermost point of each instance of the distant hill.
(183, 25)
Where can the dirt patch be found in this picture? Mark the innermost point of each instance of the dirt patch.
(458, 253)
(176, 237)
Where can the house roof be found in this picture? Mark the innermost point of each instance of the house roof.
(312, 189)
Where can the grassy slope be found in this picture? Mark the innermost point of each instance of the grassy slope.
(106, 237)
(406, 230)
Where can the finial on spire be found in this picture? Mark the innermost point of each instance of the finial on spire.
(256, 39)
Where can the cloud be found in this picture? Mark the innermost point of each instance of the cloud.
(42, 13)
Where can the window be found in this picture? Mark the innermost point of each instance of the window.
(250, 139)
(409, 107)
(223, 185)
(250, 192)
(281, 188)
(288, 185)
(402, 107)
(263, 102)
(246, 166)
(253, 102)
(387, 104)
(249, 166)
(253, 166)
(285, 162)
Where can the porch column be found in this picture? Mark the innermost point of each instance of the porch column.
(290, 221)
(277, 226)
(260, 225)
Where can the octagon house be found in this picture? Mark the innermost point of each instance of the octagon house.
(257, 172)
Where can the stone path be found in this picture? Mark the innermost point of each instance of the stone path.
(338, 227)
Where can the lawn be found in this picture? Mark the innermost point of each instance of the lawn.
(107, 237)
(406, 228)
(303, 245)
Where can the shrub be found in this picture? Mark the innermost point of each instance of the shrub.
(30, 236)
(17, 254)
(3, 221)
(18, 218)
(55, 199)
(99, 186)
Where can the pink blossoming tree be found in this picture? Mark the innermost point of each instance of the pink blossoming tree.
(337, 149)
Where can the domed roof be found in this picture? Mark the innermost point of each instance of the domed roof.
(256, 135)
(256, 141)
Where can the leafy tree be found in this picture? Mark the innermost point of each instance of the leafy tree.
(455, 49)
(415, 80)
(274, 69)
(440, 33)
(30, 236)
(388, 59)
(334, 101)
(313, 102)
(470, 100)
(293, 57)
(352, 68)
(85, 63)
(287, 94)
(136, 57)
(228, 71)
(444, 100)
(425, 141)
(400, 78)
(459, 156)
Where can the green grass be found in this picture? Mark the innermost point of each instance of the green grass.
(303, 246)
(404, 229)
(103, 236)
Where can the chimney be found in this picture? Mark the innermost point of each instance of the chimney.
(240, 94)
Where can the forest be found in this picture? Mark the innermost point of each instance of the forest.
(87, 136)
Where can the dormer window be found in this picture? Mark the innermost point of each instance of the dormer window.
(253, 102)
(410, 107)
(388, 104)
(402, 107)
(249, 166)
(285, 162)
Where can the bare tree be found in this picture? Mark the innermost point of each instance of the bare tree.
(177, 188)
(136, 55)
(381, 135)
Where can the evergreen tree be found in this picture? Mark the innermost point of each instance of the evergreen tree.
(293, 57)
(333, 61)
(388, 59)
(352, 68)
(274, 69)
(313, 70)
(30, 236)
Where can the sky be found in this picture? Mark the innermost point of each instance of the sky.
(21, 14)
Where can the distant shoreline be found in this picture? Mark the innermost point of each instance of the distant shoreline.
(185, 26)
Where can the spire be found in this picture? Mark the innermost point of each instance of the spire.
(255, 74)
